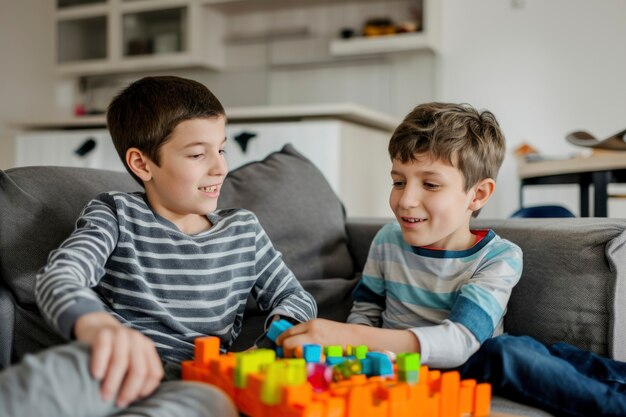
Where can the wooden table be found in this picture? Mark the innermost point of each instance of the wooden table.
(598, 170)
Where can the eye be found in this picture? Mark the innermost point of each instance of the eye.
(222, 151)
(398, 184)
(196, 156)
(431, 186)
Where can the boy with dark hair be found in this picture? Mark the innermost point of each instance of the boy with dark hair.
(434, 286)
(144, 274)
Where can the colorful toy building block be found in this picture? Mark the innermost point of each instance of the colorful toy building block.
(263, 386)
(346, 369)
(408, 367)
(333, 351)
(312, 353)
(381, 365)
(359, 352)
(277, 328)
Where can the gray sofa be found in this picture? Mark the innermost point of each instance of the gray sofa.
(573, 287)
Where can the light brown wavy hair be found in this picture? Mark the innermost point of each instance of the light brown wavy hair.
(456, 134)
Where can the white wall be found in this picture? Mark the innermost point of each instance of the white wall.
(546, 69)
(27, 79)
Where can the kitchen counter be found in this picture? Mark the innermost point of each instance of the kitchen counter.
(349, 112)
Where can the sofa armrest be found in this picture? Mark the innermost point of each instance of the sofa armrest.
(7, 322)
(573, 285)
(361, 232)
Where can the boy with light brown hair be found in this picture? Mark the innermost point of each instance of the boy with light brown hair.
(433, 285)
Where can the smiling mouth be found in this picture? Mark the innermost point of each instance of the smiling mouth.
(210, 189)
(413, 220)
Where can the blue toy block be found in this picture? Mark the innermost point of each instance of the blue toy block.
(280, 353)
(381, 364)
(312, 353)
(334, 360)
(277, 328)
(366, 366)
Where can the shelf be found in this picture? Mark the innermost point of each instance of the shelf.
(131, 64)
(381, 44)
(79, 12)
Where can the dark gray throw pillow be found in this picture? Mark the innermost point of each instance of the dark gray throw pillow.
(298, 209)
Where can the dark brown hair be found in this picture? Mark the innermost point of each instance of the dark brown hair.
(145, 113)
(456, 134)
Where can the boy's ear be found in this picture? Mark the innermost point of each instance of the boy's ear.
(482, 192)
(137, 161)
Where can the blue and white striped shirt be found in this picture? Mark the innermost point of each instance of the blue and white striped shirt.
(125, 259)
(451, 300)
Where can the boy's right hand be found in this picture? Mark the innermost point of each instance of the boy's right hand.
(124, 359)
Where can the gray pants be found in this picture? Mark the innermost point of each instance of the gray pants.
(57, 383)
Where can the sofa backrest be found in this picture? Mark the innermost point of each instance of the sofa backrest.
(38, 208)
(573, 286)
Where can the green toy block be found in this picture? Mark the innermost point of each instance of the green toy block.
(333, 351)
(408, 361)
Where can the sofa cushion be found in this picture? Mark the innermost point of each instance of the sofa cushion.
(573, 283)
(298, 209)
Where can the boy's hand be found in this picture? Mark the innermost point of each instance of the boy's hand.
(124, 360)
(327, 332)
(317, 331)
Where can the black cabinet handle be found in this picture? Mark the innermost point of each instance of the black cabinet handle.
(243, 138)
(86, 147)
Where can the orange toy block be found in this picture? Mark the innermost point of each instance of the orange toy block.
(466, 396)
(450, 385)
(333, 406)
(188, 371)
(206, 348)
(247, 399)
(297, 394)
(310, 410)
(432, 405)
(482, 400)
(363, 402)
(398, 397)
(434, 380)
(418, 398)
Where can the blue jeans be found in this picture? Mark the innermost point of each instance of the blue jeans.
(561, 379)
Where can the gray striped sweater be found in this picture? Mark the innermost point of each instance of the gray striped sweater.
(125, 259)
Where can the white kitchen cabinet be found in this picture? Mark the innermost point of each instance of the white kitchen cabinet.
(352, 157)
(116, 36)
(120, 36)
(347, 142)
(74, 148)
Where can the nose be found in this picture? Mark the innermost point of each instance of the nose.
(219, 167)
(409, 198)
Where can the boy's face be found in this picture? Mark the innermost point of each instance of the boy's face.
(429, 202)
(186, 185)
